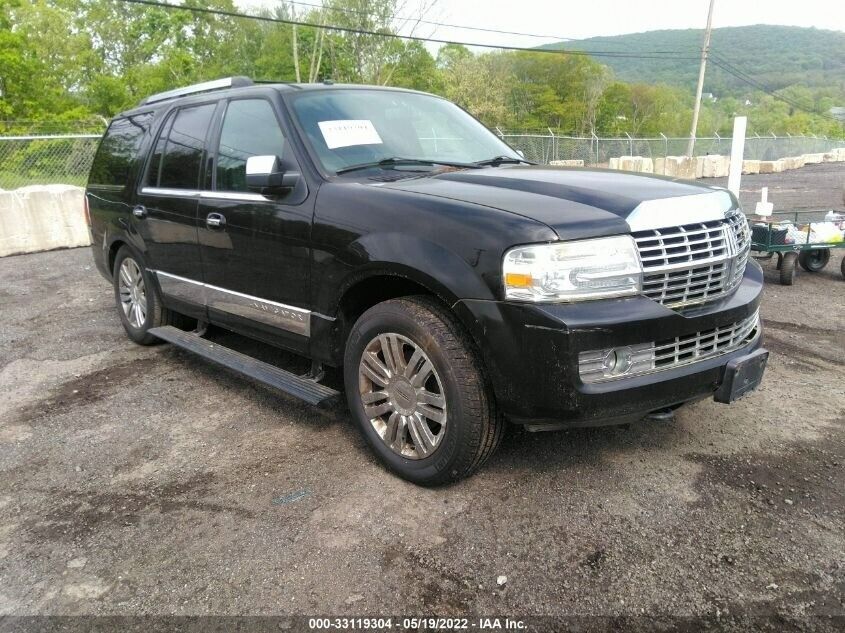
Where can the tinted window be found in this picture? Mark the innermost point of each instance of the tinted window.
(180, 164)
(154, 169)
(250, 128)
(118, 149)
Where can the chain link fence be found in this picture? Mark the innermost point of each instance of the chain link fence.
(42, 159)
(46, 159)
(547, 147)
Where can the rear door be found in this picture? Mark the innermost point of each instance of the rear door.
(255, 248)
(166, 208)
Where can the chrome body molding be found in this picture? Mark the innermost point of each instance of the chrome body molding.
(244, 196)
(290, 318)
(680, 210)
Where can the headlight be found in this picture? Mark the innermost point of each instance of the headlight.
(573, 271)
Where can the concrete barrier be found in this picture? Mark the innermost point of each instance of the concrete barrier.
(676, 166)
(715, 166)
(813, 159)
(567, 163)
(771, 166)
(633, 163)
(751, 167)
(42, 218)
(793, 162)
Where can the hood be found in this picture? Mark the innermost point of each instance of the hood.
(576, 203)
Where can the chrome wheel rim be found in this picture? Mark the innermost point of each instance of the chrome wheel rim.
(402, 396)
(133, 294)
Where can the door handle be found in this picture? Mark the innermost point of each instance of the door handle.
(215, 220)
(140, 211)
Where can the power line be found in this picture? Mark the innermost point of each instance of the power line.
(468, 28)
(415, 38)
(432, 23)
(744, 77)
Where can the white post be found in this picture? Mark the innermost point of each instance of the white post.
(737, 152)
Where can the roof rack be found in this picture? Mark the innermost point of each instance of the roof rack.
(206, 86)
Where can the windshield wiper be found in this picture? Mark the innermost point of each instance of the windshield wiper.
(502, 160)
(395, 160)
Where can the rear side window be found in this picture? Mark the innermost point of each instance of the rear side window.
(177, 157)
(250, 128)
(118, 149)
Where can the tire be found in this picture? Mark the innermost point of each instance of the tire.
(787, 268)
(814, 260)
(153, 313)
(454, 391)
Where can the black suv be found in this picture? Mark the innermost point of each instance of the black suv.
(389, 232)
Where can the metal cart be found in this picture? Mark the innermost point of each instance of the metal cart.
(769, 238)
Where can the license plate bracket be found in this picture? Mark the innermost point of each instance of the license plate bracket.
(742, 376)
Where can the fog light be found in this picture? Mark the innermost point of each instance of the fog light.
(616, 362)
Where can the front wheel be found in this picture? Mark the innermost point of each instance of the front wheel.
(417, 392)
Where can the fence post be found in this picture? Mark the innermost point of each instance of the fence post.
(554, 155)
(499, 132)
(630, 144)
(593, 134)
(665, 145)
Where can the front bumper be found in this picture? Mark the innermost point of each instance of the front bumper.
(531, 353)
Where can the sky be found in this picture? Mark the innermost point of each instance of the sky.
(578, 19)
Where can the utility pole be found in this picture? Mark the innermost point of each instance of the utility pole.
(704, 48)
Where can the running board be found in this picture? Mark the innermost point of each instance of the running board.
(308, 390)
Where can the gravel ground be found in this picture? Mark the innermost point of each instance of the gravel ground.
(144, 481)
(812, 188)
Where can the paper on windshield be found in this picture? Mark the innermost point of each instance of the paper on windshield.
(349, 132)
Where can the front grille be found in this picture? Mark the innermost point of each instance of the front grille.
(693, 263)
(646, 358)
(683, 350)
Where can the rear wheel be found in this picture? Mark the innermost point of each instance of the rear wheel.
(417, 392)
(814, 260)
(138, 304)
(787, 268)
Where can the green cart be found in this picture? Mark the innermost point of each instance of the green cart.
(795, 243)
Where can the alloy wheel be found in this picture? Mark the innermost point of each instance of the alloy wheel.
(133, 295)
(402, 395)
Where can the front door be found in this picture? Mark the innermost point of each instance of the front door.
(165, 210)
(255, 248)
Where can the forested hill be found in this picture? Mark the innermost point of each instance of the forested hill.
(777, 56)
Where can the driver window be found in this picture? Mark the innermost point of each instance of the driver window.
(250, 128)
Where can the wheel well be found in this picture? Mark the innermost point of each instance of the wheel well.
(364, 295)
(113, 253)
(373, 290)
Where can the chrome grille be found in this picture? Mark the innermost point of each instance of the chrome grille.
(693, 263)
(683, 350)
(647, 358)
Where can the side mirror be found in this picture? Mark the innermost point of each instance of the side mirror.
(264, 174)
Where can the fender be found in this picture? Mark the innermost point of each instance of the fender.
(431, 265)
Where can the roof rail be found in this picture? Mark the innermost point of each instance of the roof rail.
(206, 86)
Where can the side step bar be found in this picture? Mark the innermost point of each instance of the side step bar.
(308, 390)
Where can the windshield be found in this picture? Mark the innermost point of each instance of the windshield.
(356, 127)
